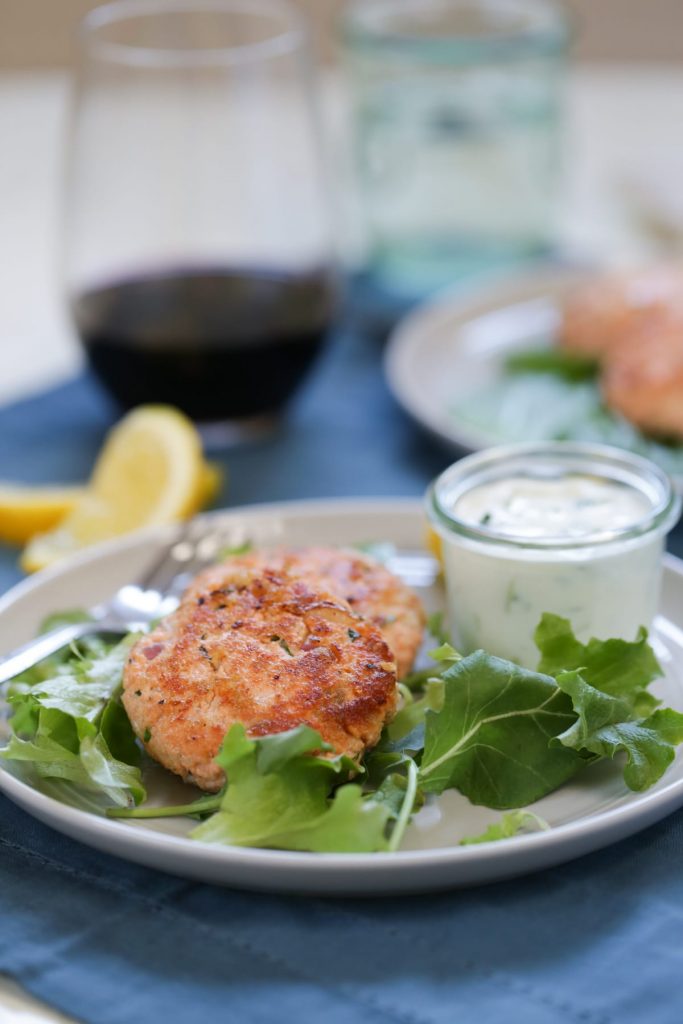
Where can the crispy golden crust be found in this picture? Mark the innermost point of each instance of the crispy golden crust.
(599, 316)
(262, 648)
(371, 590)
(643, 378)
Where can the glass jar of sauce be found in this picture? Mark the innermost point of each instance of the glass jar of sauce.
(573, 529)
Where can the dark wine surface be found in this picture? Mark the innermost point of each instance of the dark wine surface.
(219, 343)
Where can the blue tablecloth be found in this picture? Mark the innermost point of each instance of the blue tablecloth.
(594, 942)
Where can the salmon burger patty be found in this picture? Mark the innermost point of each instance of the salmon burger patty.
(643, 378)
(598, 316)
(263, 647)
(372, 591)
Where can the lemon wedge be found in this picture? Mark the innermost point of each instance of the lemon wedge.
(210, 484)
(150, 472)
(25, 511)
(434, 544)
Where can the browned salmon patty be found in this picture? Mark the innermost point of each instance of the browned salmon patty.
(598, 316)
(372, 591)
(643, 378)
(261, 647)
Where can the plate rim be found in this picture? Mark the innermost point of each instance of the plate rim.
(623, 819)
(451, 305)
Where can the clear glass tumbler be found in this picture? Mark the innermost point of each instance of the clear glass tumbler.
(456, 114)
(197, 260)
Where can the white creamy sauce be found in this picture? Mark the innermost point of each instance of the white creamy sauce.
(497, 592)
(564, 507)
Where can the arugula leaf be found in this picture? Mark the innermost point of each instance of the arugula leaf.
(490, 740)
(616, 667)
(278, 796)
(510, 824)
(567, 365)
(117, 733)
(68, 723)
(81, 686)
(66, 618)
(49, 666)
(401, 794)
(444, 655)
(116, 779)
(436, 628)
(74, 750)
(547, 407)
(607, 726)
(413, 711)
(381, 551)
(196, 809)
(394, 776)
(352, 823)
(232, 551)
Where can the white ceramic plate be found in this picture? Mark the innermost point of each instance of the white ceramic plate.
(587, 814)
(451, 350)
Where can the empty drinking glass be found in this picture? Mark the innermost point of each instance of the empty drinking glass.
(456, 133)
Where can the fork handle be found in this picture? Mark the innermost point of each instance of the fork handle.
(28, 655)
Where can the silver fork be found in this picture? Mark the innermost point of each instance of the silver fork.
(134, 605)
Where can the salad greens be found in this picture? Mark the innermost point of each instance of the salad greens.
(502, 735)
(490, 740)
(607, 725)
(511, 824)
(570, 365)
(68, 722)
(546, 394)
(279, 795)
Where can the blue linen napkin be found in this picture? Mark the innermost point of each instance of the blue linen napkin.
(594, 942)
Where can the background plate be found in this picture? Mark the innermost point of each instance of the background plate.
(585, 815)
(445, 366)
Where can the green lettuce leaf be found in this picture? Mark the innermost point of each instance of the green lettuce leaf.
(117, 780)
(436, 628)
(528, 406)
(234, 550)
(70, 726)
(49, 666)
(82, 686)
(570, 366)
(381, 550)
(606, 726)
(511, 824)
(278, 795)
(74, 750)
(444, 656)
(413, 711)
(65, 618)
(491, 738)
(617, 667)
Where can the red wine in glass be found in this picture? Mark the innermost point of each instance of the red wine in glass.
(221, 343)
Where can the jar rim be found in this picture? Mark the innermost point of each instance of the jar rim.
(556, 458)
(376, 25)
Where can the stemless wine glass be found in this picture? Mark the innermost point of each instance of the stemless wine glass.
(198, 262)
